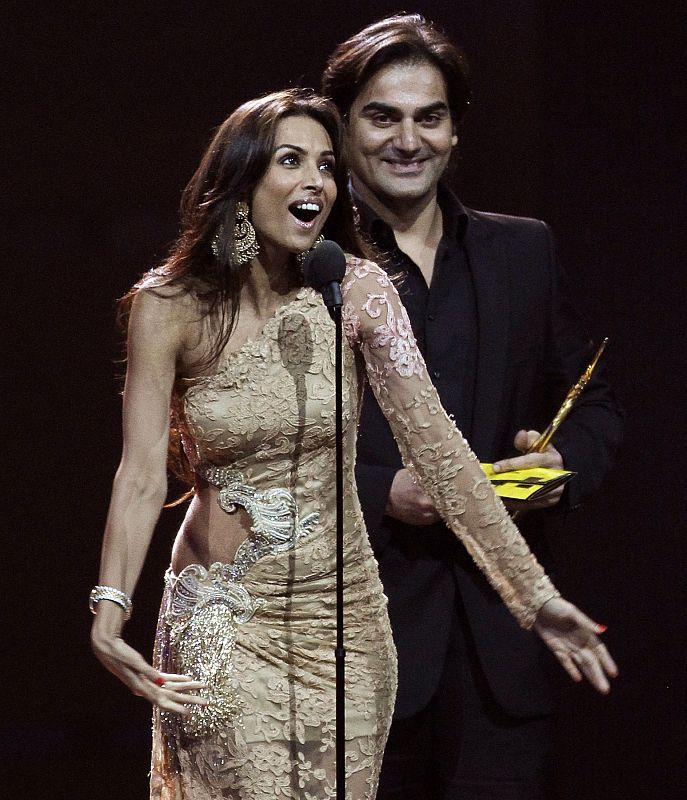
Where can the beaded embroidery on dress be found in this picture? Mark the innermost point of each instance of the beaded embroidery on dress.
(261, 630)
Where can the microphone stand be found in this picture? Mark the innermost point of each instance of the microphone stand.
(340, 652)
(323, 269)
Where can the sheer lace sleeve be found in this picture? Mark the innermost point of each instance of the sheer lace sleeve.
(431, 446)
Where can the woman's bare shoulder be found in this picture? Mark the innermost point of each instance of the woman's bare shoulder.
(168, 303)
(162, 317)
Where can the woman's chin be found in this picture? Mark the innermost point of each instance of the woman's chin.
(294, 246)
(304, 244)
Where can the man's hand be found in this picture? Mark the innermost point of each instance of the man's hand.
(550, 458)
(408, 503)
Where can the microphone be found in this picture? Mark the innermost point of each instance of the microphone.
(323, 269)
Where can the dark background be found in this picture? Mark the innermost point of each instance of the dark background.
(575, 120)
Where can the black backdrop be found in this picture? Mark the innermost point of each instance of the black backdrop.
(575, 119)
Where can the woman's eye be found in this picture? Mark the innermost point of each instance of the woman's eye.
(327, 166)
(290, 160)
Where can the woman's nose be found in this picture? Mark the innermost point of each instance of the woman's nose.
(313, 177)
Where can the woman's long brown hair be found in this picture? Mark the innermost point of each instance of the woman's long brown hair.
(233, 164)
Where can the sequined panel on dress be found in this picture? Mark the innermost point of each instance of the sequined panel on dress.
(202, 615)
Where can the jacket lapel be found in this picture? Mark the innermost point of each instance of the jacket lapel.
(491, 278)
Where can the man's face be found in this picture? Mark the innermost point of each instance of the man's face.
(400, 133)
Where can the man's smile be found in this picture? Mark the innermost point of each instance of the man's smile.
(405, 166)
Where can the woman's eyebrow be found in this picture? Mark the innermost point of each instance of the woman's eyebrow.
(300, 149)
(290, 146)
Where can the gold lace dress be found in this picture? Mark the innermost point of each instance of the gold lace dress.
(260, 631)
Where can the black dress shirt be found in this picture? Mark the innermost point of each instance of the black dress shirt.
(450, 355)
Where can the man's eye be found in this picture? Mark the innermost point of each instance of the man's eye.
(431, 120)
(381, 119)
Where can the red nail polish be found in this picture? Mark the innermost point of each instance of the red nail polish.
(601, 628)
(160, 681)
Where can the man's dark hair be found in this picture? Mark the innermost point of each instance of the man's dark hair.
(402, 38)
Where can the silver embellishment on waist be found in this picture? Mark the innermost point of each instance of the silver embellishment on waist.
(196, 587)
(277, 525)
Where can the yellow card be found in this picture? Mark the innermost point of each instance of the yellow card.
(526, 484)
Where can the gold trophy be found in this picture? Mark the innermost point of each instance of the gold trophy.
(540, 444)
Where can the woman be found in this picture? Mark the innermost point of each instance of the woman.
(225, 336)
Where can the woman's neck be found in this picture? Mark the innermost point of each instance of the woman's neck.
(268, 280)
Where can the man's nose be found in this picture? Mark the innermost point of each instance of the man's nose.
(407, 139)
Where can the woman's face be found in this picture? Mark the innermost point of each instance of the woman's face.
(293, 199)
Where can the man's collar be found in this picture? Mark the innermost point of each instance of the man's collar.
(455, 217)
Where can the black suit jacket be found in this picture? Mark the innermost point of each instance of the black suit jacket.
(531, 349)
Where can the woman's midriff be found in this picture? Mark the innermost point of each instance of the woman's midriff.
(208, 533)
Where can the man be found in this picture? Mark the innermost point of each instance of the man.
(489, 310)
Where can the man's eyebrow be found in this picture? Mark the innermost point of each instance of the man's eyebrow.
(440, 105)
(376, 105)
(300, 149)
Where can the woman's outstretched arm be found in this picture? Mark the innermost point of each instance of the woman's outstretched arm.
(443, 465)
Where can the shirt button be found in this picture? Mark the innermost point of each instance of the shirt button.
(436, 373)
(431, 317)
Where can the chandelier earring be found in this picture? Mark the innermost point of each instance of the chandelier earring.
(300, 257)
(245, 242)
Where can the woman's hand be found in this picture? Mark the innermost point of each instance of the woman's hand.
(572, 638)
(169, 692)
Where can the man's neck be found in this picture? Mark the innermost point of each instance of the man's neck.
(417, 225)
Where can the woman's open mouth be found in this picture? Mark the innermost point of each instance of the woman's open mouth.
(305, 211)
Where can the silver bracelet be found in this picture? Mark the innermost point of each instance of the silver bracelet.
(117, 596)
